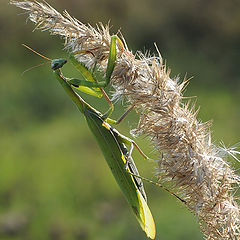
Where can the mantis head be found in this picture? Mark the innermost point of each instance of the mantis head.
(58, 63)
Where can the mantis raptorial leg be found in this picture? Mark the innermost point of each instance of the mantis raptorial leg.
(95, 80)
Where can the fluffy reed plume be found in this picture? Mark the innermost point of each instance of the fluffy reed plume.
(198, 168)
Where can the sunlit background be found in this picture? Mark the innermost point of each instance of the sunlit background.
(54, 182)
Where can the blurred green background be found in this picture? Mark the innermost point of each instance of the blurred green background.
(54, 182)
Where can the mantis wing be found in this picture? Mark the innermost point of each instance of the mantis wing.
(116, 160)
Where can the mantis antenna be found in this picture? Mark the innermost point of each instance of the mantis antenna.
(39, 54)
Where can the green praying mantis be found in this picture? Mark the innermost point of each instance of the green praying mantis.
(111, 142)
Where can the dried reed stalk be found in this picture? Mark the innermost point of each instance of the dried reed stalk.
(198, 168)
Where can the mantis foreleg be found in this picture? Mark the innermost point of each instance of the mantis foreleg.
(93, 82)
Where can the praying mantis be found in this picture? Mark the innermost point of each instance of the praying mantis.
(111, 142)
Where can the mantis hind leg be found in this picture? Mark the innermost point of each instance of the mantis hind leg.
(158, 185)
